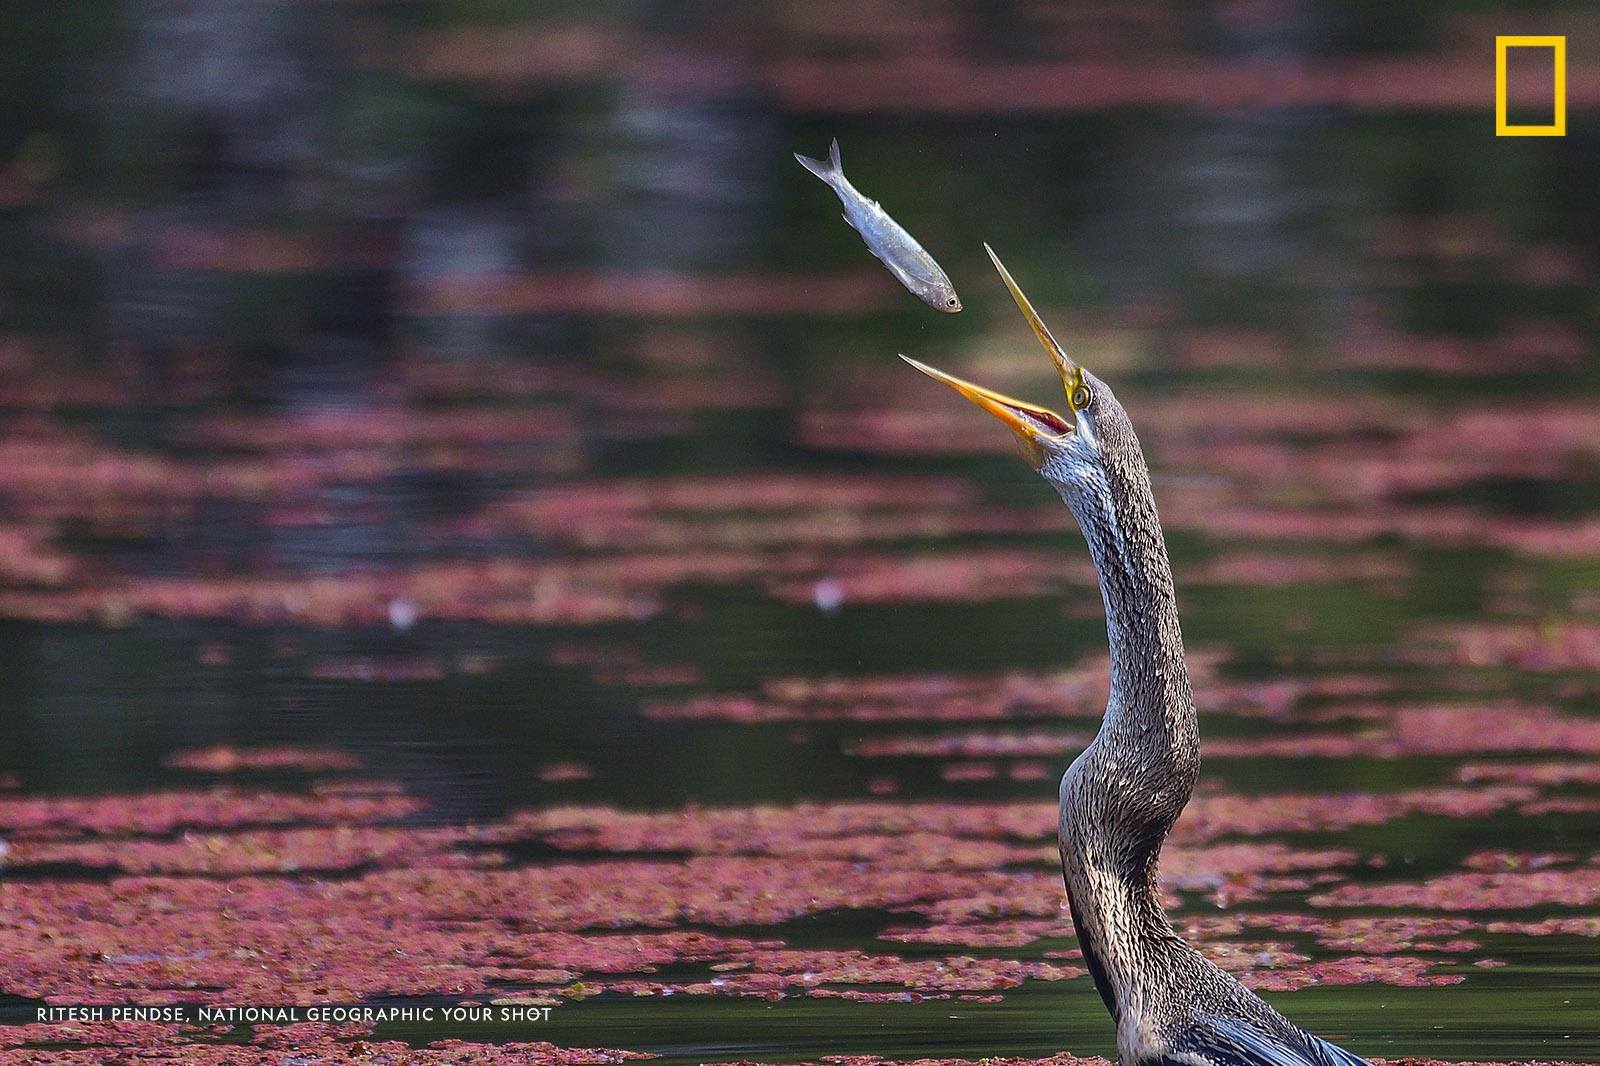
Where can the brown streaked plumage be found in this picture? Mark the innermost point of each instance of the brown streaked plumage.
(1120, 797)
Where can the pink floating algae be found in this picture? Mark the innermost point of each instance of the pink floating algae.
(1076, 692)
(771, 972)
(1261, 569)
(1384, 733)
(949, 575)
(95, 1043)
(228, 759)
(1550, 644)
(565, 771)
(256, 851)
(1440, 729)
(979, 875)
(503, 591)
(1062, 1059)
(1399, 970)
(726, 511)
(1515, 890)
(1364, 935)
(218, 808)
(967, 745)
(981, 880)
(614, 664)
(1313, 473)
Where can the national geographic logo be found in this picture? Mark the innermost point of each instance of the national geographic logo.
(1558, 124)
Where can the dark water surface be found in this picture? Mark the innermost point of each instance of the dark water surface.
(297, 297)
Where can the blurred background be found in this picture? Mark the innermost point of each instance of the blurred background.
(472, 407)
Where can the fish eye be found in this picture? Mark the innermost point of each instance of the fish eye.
(1082, 398)
(950, 302)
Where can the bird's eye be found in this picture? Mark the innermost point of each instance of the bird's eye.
(1082, 398)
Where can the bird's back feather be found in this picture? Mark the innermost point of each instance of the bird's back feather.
(1217, 1041)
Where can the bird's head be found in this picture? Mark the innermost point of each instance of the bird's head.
(1074, 450)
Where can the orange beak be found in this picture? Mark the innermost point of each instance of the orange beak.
(1029, 422)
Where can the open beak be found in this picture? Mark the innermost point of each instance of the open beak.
(1029, 422)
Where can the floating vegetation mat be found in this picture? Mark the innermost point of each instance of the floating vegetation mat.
(465, 537)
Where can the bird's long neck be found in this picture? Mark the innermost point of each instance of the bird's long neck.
(1149, 678)
(1123, 794)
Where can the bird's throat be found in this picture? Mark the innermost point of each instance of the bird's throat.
(1149, 678)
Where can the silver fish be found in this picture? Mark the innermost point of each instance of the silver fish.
(900, 252)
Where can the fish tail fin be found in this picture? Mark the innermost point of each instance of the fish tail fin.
(830, 169)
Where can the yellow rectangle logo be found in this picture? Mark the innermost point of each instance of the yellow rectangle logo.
(1557, 128)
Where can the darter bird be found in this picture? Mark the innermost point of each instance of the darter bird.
(1120, 798)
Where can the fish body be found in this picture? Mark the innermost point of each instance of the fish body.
(887, 239)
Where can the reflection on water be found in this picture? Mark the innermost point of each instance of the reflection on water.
(493, 402)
